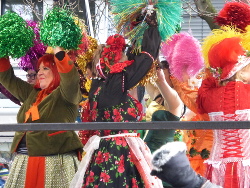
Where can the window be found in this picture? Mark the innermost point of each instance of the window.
(28, 11)
(199, 27)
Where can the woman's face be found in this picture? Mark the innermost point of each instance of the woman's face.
(31, 76)
(248, 74)
(244, 74)
(44, 76)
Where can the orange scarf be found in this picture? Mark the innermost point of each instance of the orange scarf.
(33, 111)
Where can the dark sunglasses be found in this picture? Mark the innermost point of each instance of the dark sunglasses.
(31, 76)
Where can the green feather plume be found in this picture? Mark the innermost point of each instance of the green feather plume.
(169, 17)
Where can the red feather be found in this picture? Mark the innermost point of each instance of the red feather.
(234, 14)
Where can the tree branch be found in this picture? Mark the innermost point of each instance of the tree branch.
(206, 11)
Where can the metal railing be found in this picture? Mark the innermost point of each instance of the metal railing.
(156, 125)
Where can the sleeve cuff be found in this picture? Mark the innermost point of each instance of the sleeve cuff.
(4, 64)
(63, 62)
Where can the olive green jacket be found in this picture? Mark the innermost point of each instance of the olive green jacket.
(60, 106)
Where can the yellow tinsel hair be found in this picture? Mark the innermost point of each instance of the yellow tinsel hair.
(216, 36)
(83, 59)
(246, 38)
(150, 77)
(88, 84)
(81, 24)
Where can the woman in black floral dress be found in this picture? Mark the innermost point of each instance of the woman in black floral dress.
(118, 159)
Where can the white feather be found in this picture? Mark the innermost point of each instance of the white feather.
(166, 152)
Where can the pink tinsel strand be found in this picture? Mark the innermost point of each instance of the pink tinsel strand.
(183, 53)
(38, 50)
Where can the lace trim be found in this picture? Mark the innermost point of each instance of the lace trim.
(240, 115)
(246, 162)
(216, 164)
(122, 135)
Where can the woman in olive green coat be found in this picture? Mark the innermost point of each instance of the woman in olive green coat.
(45, 158)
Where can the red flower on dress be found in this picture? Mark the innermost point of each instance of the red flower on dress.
(132, 112)
(106, 114)
(117, 115)
(93, 114)
(120, 141)
(99, 159)
(90, 178)
(129, 156)
(107, 132)
(134, 183)
(106, 156)
(104, 177)
(116, 112)
(121, 168)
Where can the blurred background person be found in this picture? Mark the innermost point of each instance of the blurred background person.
(31, 76)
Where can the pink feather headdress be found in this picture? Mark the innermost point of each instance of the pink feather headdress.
(183, 53)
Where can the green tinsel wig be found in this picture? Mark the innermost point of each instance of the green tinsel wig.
(59, 29)
(15, 35)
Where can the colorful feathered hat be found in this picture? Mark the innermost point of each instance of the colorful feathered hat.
(216, 36)
(234, 14)
(228, 57)
(183, 53)
(225, 50)
(111, 60)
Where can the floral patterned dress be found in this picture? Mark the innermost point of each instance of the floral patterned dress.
(114, 163)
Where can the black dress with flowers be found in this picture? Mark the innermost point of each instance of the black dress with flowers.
(111, 164)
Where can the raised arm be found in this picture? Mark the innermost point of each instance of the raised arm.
(144, 60)
(70, 78)
(16, 86)
(171, 97)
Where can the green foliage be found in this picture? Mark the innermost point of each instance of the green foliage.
(204, 153)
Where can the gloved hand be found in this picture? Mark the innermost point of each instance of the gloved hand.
(171, 165)
(151, 18)
(150, 13)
